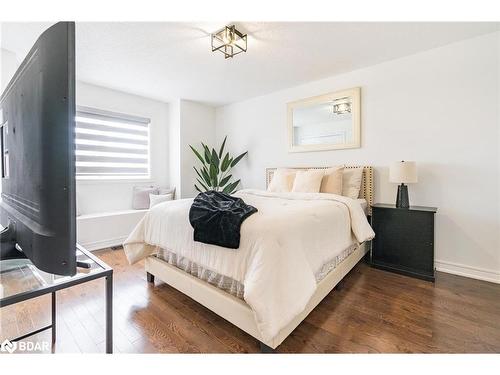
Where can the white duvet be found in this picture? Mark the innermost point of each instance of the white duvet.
(282, 246)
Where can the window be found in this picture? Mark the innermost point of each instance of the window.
(111, 145)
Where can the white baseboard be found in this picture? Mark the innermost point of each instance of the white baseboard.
(467, 271)
(102, 244)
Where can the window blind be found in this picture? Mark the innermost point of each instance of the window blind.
(111, 145)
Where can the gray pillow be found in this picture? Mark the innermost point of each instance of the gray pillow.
(140, 197)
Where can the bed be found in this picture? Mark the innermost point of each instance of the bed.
(293, 252)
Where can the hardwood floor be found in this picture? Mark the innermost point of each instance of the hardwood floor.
(374, 312)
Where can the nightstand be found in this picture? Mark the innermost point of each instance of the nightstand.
(404, 240)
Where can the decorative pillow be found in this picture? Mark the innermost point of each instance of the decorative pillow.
(140, 198)
(155, 199)
(308, 181)
(282, 181)
(332, 181)
(163, 191)
(351, 182)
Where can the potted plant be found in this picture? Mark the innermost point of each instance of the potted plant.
(214, 173)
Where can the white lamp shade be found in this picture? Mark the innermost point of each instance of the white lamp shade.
(403, 172)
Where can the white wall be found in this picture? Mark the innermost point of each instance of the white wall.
(174, 146)
(8, 66)
(103, 196)
(190, 123)
(439, 108)
(197, 125)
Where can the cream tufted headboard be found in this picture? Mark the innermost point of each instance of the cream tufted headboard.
(366, 191)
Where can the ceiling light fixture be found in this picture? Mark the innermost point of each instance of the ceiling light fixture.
(229, 41)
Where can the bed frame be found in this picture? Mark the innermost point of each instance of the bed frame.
(236, 310)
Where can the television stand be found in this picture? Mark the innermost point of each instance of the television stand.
(20, 281)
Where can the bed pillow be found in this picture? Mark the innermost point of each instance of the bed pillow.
(308, 181)
(140, 197)
(332, 181)
(351, 182)
(155, 199)
(282, 181)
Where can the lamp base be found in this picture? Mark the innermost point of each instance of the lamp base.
(402, 200)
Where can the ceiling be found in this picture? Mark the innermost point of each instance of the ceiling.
(174, 60)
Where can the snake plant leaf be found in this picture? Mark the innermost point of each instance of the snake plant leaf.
(213, 175)
(204, 180)
(229, 189)
(225, 162)
(225, 180)
(207, 153)
(197, 154)
(214, 159)
(238, 158)
(202, 184)
(206, 176)
(198, 172)
(235, 185)
(221, 151)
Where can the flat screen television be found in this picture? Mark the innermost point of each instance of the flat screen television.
(37, 122)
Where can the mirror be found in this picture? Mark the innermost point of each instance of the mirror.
(326, 122)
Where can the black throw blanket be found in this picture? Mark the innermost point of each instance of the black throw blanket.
(216, 218)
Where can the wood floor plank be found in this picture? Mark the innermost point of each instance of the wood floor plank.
(374, 312)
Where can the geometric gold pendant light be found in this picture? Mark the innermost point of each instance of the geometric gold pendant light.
(229, 41)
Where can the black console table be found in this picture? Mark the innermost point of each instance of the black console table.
(20, 281)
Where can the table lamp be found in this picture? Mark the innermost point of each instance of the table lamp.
(403, 172)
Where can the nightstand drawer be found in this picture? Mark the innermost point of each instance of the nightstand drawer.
(404, 241)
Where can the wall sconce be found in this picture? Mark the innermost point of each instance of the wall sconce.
(229, 41)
